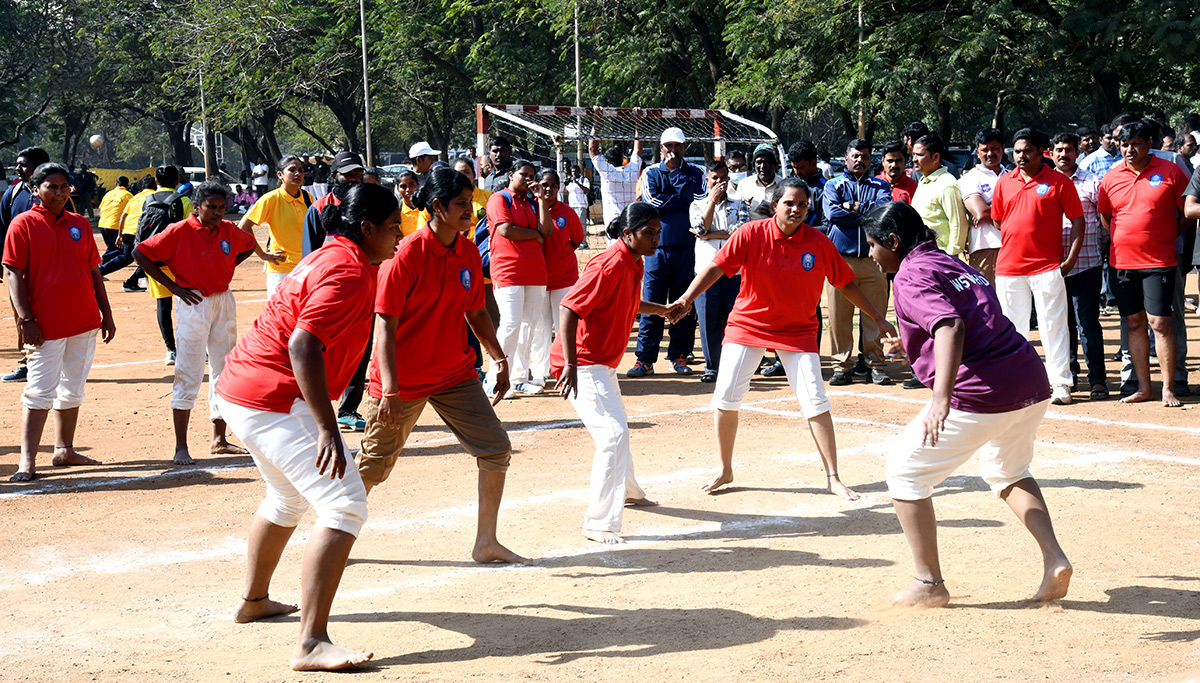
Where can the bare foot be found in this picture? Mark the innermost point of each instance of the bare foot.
(837, 488)
(322, 655)
(66, 457)
(21, 476)
(605, 537)
(1170, 400)
(253, 611)
(1055, 582)
(1138, 396)
(642, 502)
(725, 477)
(485, 553)
(225, 448)
(920, 594)
(182, 457)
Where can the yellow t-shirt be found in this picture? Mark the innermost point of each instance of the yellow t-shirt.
(133, 211)
(479, 205)
(285, 216)
(112, 206)
(411, 219)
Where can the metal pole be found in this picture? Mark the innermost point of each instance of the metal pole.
(362, 20)
(208, 170)
(578, 91)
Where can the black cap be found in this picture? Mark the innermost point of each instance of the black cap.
(344, 162)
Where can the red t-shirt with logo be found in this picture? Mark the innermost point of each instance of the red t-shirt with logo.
(199, 258)
(1030, 213)
(1144, 209)
(328, 294)
(606, 299)
(430, 287)
(514, 263)
(57, 256)
(782, 280)
(562, 267)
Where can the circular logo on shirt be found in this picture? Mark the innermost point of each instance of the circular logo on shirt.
(225, 247)
(560, 222)
(76, 233)
(807, 261)
(1155, 180)
(464, 278)
(1043, 188)
(985, 187)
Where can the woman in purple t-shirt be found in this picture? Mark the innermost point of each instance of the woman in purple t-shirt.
(989, 394)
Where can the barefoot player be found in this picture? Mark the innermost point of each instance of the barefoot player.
(428, 294)
(276, 394)
(202, 252)
(784, 264)
(990, 391)
(593, 332)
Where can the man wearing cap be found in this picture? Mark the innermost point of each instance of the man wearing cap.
(422, 157)
(670, 186)
(347, 170)
(754, 190)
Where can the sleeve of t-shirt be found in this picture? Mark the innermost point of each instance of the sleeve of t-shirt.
(1193, 187)
(1072, 206)
(602, 164)
(696, 214)
(243, 241)
(498, 211)
(588, 292)
(839, 273)
(968, 184)
(395, 283)
(161, 247)
(574, 228)
(1103, 204)
(475, 298)
(333, 307)
(733, 255)
(259, 210)
(93, 257)
(16, 245)
(1180, 181)
(931, 305)
(999, 201)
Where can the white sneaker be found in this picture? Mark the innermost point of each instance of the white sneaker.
(530, 388)
(169, 359)
(1060, 396)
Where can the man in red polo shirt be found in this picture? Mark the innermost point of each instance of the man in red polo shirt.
(1029, 204)
(54, 281)
(202, 252)
(1140, 202)
(895, 159)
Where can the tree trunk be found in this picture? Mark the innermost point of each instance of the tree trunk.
(944, 126)
(777, 115)
(1106, 95)
(998, 112)
(181, 147)
(849, 127)
(267, 120)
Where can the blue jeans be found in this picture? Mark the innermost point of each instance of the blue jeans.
(1083, 321)
(712, 308)
(668, 273)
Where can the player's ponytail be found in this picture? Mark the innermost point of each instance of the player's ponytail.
(442, 185)
(633, 218)
(364, 202)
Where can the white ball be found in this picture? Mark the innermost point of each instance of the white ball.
(96, 140)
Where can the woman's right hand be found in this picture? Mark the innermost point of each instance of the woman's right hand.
(330, 454)
(389, 411)
(568, 384)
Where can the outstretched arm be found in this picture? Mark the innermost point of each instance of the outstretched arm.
(860, 300)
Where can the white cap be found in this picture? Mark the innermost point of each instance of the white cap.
(1196, 136)
(672, 134)
(421, 149)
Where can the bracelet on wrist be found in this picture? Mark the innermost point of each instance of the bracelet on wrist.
(25, 321)
(393, 394)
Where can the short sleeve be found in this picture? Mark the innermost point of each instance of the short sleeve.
(498, 210)
(16, 245)
(243, 240)
(574, 228)
(587, 293)
(968, 184)
(999, 201)
(162, 246)
(1072, 206)
(260, 209)
(696, 214)
(734, 253)
(839, 273)
(475, 298)
(93, 254)
(1181, 182)
(395, 284)
(1103, 203)
(1193, 187)
(335, 306)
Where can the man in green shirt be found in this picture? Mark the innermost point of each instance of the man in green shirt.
(938, 199)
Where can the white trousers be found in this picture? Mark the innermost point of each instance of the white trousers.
(273, 282)
(1048, 293)
(1004, 442)
(517, 304)
(209, 327)
(58, 370)
(738, 364)
(602, 411)
(284, 447)
(541, 335)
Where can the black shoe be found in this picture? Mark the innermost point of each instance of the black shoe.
(860, 370)
(912, 383)
(708, 377)
(775, 370)
(1183, 390)
(840, 379)
(880, 377)
(132, 287)
(18, 375)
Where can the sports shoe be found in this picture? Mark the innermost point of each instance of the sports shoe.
(680, 366)
(640, 369)
(878, 376)
(351, 422)
(18, 375)
(530, 388)
(1060, 396)
(132, 287)
(912, 383)
(860, 371)
(840, 379)
(774, 370)
(169, 359)
(708, 377)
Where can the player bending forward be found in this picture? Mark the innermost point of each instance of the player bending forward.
(990, 391)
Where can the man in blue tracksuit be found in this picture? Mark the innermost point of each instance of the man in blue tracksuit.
(847, 198)
(670, 187)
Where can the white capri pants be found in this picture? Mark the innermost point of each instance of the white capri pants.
(1048, 294)
(602, 411)
(539, 342)
(517, 304)
(738, 364)
(208, 327)
(1004, 442)
(284, 447)
(58, 370)
(273, 282)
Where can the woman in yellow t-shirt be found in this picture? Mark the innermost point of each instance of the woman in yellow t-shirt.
(411, 218)
(282, 212)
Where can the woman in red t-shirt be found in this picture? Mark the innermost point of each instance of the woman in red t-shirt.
(593, 334)
(784, 264)
(276, 394)
(562, 270)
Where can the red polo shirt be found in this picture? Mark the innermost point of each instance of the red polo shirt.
(1030, 213)
(562, 268)
(903, 190)
(514, 263)
(606, 298)
(1144, 214)
(782, 279)
(199, 258)
(57, 256)
(429, 288)
(328, 294)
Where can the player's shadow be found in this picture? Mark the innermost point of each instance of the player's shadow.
(165, 379)
(584, 632)
(641, 561)
(137, 475)
(970, 484)
(672, 384)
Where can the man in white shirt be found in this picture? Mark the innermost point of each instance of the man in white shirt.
(620, 178)
(754, 189)
(976, 185)
(713, 220)
(258, 174)
(578, 188)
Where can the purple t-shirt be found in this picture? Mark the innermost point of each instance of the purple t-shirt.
(1000, 369)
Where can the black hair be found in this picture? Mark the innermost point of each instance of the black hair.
(364, 202)
(1158, 114)
(36, 156)
(1192, 121)
(899, 219)
(1033, 135)
(717, 165)
(518, 164)
(148, 183)
(286, 160)
(443, 184)
(208, 189)
(463, 160)
(46, 170)
(633, 217)
(737, 154)
(802, 150)
(1065, 139)
(1137, 128)
(915, 130)
(408, 174)
(551, 172)
(167, 176)
(859, 145)
(1084, 131)
(370, 171)
(123, 181)
(932, 142)
(894, 147)
(787, 183)
(614, 155)
(1122, 119)
(499, 141)
(986, 135)
(1106, 129)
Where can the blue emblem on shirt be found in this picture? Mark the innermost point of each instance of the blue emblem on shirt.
(464, 277)
(1155, 180)
(1043, 188)
(560, 222)
(225, 247)
(76, 233)
(807, 261)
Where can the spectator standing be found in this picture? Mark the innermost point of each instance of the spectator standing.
(17, 199)
(578, 189)
(500, 156)
(914, 132)
(755, 190)
(737, 166)
(938, 198)
(1100, 161)
(976, 186)
(258, 174)
(713, 221)
(111, 207)
(282, 212)
(1089, 140)
(620, 179)
(895, 158)
(422, 156)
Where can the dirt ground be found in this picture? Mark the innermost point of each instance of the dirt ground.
(130, 570)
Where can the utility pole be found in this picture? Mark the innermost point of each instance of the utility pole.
(578, 98)
(862, 105)
(210, 165)
(362, 20)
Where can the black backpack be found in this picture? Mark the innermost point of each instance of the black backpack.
(160, 210)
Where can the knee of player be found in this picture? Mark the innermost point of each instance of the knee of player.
(1161, 324)
(283, 510)
(347, 513)
(495, 461)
